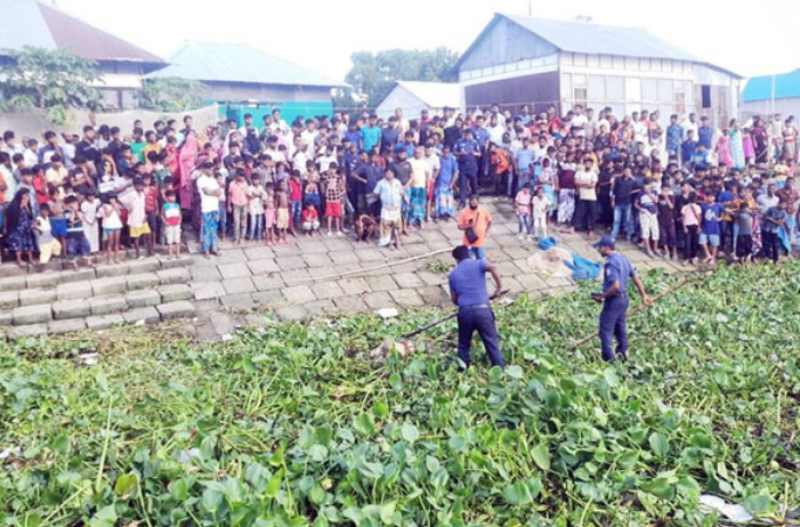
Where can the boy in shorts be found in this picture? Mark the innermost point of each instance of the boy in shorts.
(171, 216)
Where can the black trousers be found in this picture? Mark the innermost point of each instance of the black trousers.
(772, 245)
(480, 319)
(585, 214)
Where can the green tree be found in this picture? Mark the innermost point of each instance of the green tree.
(374, 74)
(50, 80)
(171, 95)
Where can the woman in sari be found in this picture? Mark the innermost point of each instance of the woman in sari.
(760, 141)
(187, 160)
(446, 180)
(789, 142)
(724, 150)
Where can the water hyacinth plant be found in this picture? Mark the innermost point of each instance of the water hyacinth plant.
(285, 426)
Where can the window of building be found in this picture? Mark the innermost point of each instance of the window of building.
(580, 96)
(705, 95)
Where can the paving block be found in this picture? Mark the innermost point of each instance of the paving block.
(239, 301)
(41, 280)
(148, 315)
(29, 297)
(183, 260)
(13, 283)
(234, 270)
(299, 294)
(59, 327)
(107, 271)
(270, 298)
(319, 307)
(263, 266)
(325, 290)
(268, 282)
(77, 275)
(235, 286)
(110, 285)
(407, 298)
(354, 286)
(142, 281)
(148, 265)
(32, 314)
(143, 298)
(370, 255)
(205, 273)
(222, 323)
(434, 296)
(258, 253)
(64, 309)
(29, 330)
(298, 276)
(291, 313)
(6, 317)
(207, 290)
(108, 304)
(344, 257)
(175, 292)
(172, 310)
(104, 321)
(9, 299)
(378, 300)
(317, 260)
(290, 263)
(350, 304)
(75, 290)
(10, 269)
(177, 275)
(382, 282)
(407, 280)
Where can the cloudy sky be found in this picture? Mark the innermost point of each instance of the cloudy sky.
(321, 34)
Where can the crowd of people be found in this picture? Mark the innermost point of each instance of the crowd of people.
(687, 190)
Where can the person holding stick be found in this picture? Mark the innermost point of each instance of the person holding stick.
(468, 292)
(617, 271)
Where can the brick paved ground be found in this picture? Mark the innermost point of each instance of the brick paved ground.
(294, 281)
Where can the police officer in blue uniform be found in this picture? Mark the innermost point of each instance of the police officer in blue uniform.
(468, 292)
(468, 152)
(618, 271)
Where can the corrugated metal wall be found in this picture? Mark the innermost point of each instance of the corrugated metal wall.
(503, 43)
(539, 90)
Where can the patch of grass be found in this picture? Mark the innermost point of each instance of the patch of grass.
(282, 427)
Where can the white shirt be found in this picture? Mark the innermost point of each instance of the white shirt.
(496, 133)
(207, 203)
(583, 177)
(640, 132)
(11, 184)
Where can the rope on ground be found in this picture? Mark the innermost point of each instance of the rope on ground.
(386, 265)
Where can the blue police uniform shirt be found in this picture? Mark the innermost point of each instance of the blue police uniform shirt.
(468, 281)
(481, 136)
(704, 136)
(355, 138)
(467, 150)
(618, 269)
(674, 137)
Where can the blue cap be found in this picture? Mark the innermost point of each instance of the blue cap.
(605, 241)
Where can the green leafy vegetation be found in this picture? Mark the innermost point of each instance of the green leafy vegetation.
(171, 95)
(49, 80)
(284, 427)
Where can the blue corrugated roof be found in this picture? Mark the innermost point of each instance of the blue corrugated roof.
(237, 63)
(760, 88)
(598, 39)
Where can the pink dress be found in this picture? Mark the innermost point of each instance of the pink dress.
(747, 144)
(187, 160)
(724, 151)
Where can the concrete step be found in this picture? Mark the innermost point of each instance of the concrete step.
(12, 278)
(84, 290)
(136, 316)
(96, 305)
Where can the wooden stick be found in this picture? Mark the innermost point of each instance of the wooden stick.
(642, 308)
(451, 316)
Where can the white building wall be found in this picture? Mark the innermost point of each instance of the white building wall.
(785, 107)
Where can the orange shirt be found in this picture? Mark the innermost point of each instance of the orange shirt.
(480, 226)
(501, 161)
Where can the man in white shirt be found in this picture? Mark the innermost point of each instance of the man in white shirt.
(586, 207)
(210, 193)
(496, 130)
(579, 120)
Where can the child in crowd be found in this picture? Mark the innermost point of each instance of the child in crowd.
(89, 208)
(237, 205)
(111, 215)
(282, 211)
(690, 218)
(134, 202)
(334, 193)
(312, 196)
(58, 221)
(295, 199)
(744, 239)
(540, 207)
(310, 220)
(48, 245)
(151, 207)
(222, 181)
(523, 203)
(256, 195)
(269, 214)
(647, 205)
(666, 221)
(710, 231)
(77, 244)
(171, 218)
